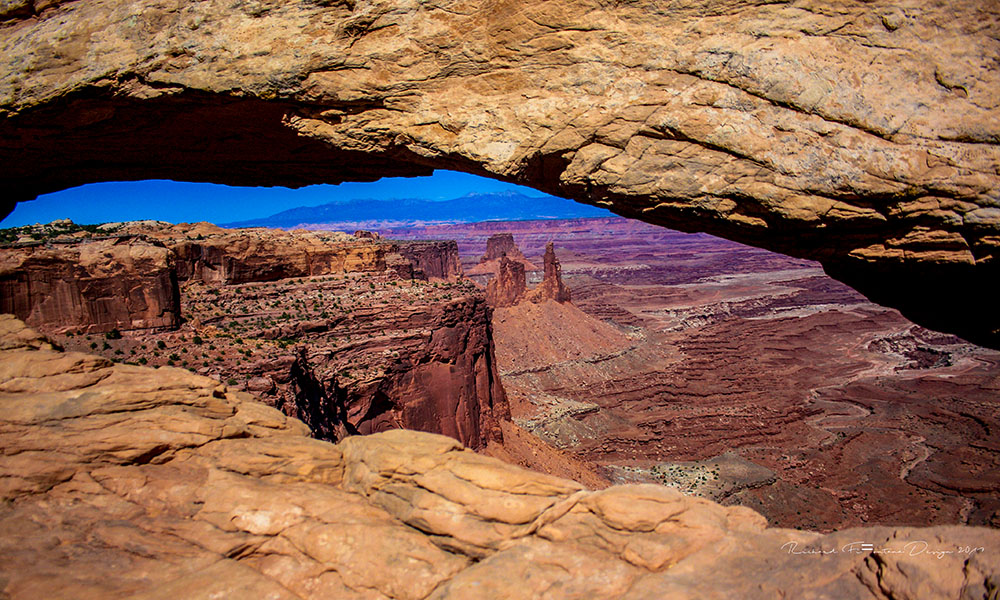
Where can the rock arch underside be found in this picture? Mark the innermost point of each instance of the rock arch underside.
(862, 135)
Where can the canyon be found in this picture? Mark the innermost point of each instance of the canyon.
(637, 355)
(862, 140)
(667, 371)
(743, 376)
(336, 330)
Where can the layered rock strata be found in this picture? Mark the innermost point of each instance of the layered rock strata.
(508, 288)
(348, 346)
(232, 256)
(864, 136)
(498, 246)
(128, 279)
(125, 481)
(98, 286)
(432, 260)
(218, 256)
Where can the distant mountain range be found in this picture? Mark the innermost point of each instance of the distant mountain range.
(505, 206)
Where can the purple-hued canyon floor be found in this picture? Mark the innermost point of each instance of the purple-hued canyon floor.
(747, 377)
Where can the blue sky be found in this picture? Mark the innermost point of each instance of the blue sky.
(179, 202)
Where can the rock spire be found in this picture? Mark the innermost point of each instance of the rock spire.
(552, 286)
(508, 287)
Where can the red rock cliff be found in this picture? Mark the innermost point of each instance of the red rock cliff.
(247, 255)
(121, 283)
(448, 383)
(350, 349)
(508, 287)
(392, 364)
(432, 260)
(501, 244)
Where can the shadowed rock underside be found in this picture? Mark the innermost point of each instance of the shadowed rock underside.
(860, 135)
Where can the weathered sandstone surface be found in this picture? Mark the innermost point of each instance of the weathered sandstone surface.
(124, 284)
(125, 481)
(862, 135)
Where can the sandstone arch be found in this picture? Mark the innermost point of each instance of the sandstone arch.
(863, 136)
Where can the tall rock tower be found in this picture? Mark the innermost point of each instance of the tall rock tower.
(508, 287)
(552, 286)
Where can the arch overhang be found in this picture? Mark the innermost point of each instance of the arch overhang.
(864, 136)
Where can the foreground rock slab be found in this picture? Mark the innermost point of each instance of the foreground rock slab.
(122, 481)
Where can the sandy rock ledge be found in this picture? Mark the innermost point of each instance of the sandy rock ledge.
(122, 481)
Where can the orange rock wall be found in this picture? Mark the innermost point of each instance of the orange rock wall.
(124, 284)
(243, 256)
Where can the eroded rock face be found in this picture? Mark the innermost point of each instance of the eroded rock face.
(498, 246)
(508, 287)
(219, 256)
(551, 286)
(502, 244)
(861, 135)
(233, 256)
(125, 481)
(359, 354)
(432, 260)
(314, 322)
(94, 287)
